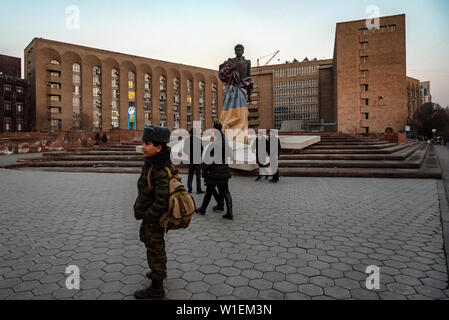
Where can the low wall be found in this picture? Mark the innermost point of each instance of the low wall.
(32, 142)
(393, 137)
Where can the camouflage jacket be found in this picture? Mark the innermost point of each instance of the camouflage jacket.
(152, 202)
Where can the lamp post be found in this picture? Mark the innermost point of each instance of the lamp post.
(434, 133)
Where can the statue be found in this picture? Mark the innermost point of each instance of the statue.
(235, 73)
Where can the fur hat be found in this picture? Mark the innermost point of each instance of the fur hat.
(156, 134)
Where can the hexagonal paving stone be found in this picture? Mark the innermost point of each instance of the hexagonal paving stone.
(90, 294)
(26, 286)
(237, 281)
(296, 296)
(430, 292)
(193, 276)
(214, 278)
(297, 278)
(203, 296)
(337, 292)
(109, 287)
(251, 274)
(285, 286)
(208, 269)
(45, 289)
(310, 290)
(270, 294)
(388, 295)
(322, 281)
(90, 284)
(174, 284)
(64, 293)
(132, 279)
(34, 276)
(347, 283)
(179, 294)
(309, 271)
(245, 293)
(230, 271)
(220, 289)
(261, 284)
(364, 294)
(197, 287)
(21, 296)
(274, 276)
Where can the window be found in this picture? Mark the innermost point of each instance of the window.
(201, 102)
(366, 102)
(163, 101)
(366, 87)
(19, 89)
(54, 85)
(365, 31)
(376, 30)
(97, 115)
(384, 29)
(7, 125)
(19, 107)
(365, 45)
(19, 127)
(366, 74)
(56, 124)
(176, 111)
(55, 110)
(214, 102)
(189, 105)
(147, 105)
(76, 101)
(55, 62)
(393, 28)
(7, 106)
(367, 116)
(367, 130)
(115, 101)
(55, 98)
(7, 88)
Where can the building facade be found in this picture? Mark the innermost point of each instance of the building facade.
(296, 91)
(413, 98)
(80, 88)
(370, 76)
(425, 95)
(15, 110)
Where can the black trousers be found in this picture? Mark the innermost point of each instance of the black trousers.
(194, 169)
(211, 191)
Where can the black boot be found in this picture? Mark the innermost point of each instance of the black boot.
(201, 211)
(155, 291)
(228, 200)
(220, 202)
(206, 200)
(258, 178)
(149, 275)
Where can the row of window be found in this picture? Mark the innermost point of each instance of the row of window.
(297, 109)
(382, 29)
(7, 124)
(296, 84)
(296, 92)
(296, 71)
(7, 106)
(115, 103)
(8, 88)
(296, 101)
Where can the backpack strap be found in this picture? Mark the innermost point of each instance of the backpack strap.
(149, 176)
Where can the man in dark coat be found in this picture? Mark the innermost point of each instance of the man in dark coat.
(195, 161)
(275, 178)
(218, 175)
(151, 203)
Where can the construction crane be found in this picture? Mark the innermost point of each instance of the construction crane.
(274, 54)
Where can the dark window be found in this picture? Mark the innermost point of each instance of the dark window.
(7, 106)
(367, 116)
(7, 88)
(367, 130)
(366, 102)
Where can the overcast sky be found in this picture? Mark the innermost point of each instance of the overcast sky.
(203, 33)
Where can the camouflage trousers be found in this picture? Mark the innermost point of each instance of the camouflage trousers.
(153, 237)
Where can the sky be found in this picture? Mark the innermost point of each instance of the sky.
(204, 33)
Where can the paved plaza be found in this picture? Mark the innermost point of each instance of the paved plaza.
(304, 238)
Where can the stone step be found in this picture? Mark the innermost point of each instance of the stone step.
(429, 170)
(337, 147)
(398, 153)
(413, 161)
(331, 143)
(388, 150)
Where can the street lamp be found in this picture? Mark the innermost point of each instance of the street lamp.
(434, 132)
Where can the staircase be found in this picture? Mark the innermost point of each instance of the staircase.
(337, 155)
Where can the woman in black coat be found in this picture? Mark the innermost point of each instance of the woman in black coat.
(218, 175)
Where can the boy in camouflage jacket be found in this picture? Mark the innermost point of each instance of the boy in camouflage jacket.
(151, 203)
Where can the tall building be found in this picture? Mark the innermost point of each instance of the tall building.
(296, 91)
(425, 95)
(370, 75)
(80, 88)
(15, 110)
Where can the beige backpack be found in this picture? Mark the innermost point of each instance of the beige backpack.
(181, 205)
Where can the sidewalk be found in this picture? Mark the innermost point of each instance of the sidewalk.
(304, 238)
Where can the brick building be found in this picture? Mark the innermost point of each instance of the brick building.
(370, 76)
(80, 88)
(15, 111)
(296, 91)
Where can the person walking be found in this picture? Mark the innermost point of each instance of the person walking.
(275, 178)
(151, 204)
(218, 175)
(194, 161)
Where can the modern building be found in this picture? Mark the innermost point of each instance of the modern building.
(425, 95)
(296, 91)
(370, 76)
(15, 111)
(413, 97)
(80, 88)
